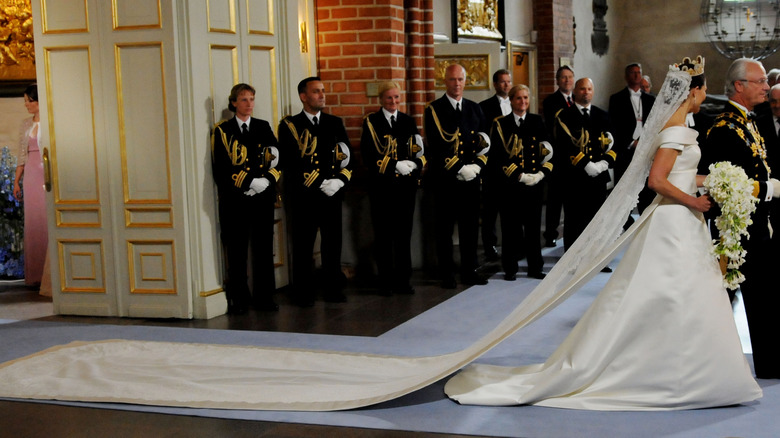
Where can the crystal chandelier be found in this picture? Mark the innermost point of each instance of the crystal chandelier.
(742, 28)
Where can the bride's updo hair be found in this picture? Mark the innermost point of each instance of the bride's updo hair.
(696, 69)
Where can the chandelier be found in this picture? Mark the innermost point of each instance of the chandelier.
(742, 28)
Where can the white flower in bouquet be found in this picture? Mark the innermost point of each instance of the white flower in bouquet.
(730, 187)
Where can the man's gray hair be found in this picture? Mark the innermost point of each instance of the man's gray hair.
(737, 72)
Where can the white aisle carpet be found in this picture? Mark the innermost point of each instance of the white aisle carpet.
(448, 327)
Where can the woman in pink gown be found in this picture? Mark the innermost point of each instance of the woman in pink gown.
(29, 169)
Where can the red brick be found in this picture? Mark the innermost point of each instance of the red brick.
(350, 25)
(343, 62)
(358, 74)
(327, 51)
(375, 36)
(340, 37)
(358, 49)
(339, 13)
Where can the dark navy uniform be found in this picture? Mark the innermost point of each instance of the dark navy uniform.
(246, 220)
(516, 150)
(580, 141)
(312, 155)
(552, 105)
(392, 195)
(734, 138)
(454, 141)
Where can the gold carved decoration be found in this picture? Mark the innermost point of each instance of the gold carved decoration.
(478, 75)
(478, 19)
(17, 52)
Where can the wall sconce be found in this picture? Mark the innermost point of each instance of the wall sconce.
(304, 38)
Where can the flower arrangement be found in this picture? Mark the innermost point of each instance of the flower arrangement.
(11, 221)
(730, 187)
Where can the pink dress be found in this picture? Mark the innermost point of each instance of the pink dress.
(33, 195)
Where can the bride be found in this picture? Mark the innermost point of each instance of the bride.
(661, 334)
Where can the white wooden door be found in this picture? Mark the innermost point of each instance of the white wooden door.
(110, 119)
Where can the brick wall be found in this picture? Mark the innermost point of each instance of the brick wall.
(367, 41)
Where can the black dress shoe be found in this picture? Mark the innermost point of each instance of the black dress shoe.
(539, 275)
(474, 279)
(384, 292)
(303, 301)
(449, 283)
(237, 309)
(606, 269)
(510, 277)
(404, 290)
(335, 297)
(551, 243)
(266, 305)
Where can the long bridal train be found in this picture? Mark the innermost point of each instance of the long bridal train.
(234, 377)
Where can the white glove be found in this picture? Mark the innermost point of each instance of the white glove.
(259, 185)
(776, 187)
(526, 179)
(474, 168)
(330, 186)
(536, 177)
(250, 192)
(275, 152)
(592, 169)
(602, 165)
(402, 168)
(412, 165)
(466, 173)
(342, 147)
(531, 179)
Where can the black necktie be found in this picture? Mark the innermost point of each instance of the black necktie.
(314, 120)
(520, 122)
(585, 113)
(568, 101)
(392, 122)
(457, 109)
(244, 129)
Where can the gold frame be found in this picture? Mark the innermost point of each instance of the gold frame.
(478, 75)
(18, 66)
(478, 19)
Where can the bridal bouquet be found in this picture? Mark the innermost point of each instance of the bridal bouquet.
(730, 187)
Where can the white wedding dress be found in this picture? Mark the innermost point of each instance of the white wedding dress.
(659, 336)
